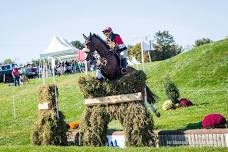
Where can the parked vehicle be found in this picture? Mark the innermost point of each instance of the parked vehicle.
(30, 72)
(5, 72)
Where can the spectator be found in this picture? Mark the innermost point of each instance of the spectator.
(16, 76)
(58, 69)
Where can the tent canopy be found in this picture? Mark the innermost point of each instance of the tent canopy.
(58, 48)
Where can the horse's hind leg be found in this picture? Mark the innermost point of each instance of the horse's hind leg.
(151, 99)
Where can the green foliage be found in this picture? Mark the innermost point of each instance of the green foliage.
(167, 105)
(8, 61)
(165, 46)
(135, 51)
(49, 129)
(136, 121)
(77, 44)
(35, 62)
(171, 90)
(202, 42)
(91, 87)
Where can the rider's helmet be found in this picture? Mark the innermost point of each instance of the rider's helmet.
(107, 30)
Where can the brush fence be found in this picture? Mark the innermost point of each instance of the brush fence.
(120, 100)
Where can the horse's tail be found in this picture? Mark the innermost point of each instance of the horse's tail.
(152, 98)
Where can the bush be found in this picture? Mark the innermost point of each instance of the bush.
(172, 91)
(49, 130)
(202, 41)
(185, 102)
(214, 121)
(167, 105)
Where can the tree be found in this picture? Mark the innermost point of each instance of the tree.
(35, 62)
(77, 44)
(8, 61)
(165, 46)
(135, 51)
(202, 42)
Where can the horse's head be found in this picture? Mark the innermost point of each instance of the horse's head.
(94, 43)
(89, 47)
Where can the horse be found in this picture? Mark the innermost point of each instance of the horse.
(110, 63)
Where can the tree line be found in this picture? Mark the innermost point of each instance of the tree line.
(164, 47)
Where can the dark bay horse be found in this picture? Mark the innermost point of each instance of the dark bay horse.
(111, 65)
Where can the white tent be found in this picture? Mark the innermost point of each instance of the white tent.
(58, 48)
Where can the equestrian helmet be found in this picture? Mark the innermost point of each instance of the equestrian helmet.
(107, 29)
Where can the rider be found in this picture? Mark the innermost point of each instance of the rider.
(117, 45)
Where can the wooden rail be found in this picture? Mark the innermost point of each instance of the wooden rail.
(114, 99)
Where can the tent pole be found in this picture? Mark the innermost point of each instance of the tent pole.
(142, 51)
(79, 67)
(43, 73)
(39, 69)
(46, 70)
(55, 85)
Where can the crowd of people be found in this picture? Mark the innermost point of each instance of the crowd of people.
(68, 67)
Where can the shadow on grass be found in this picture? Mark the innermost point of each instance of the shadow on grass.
(110, 131)
(201, 104)
(197, 125)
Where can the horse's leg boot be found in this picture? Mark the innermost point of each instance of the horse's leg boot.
(124, 66)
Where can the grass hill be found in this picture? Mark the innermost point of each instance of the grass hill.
(201, 75)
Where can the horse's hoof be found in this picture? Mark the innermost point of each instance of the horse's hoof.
(158, 114)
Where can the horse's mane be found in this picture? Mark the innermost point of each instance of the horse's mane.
(102, 41)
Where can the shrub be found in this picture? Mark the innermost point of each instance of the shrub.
(49, 130)
(172, 91)
(168, 105)
(202, 41)
(214, 121)
(185, 102)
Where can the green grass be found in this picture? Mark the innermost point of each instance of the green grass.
(200, 74)
(105, 149)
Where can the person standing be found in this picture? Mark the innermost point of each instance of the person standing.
(16, 76)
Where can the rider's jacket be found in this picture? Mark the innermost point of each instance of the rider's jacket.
(115, 41)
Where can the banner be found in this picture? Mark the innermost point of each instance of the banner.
(116, 140)
(146, 46)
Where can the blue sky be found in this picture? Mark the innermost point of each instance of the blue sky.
(27, 26)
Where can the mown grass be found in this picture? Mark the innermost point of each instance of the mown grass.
(105, 149)
(200, 74)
